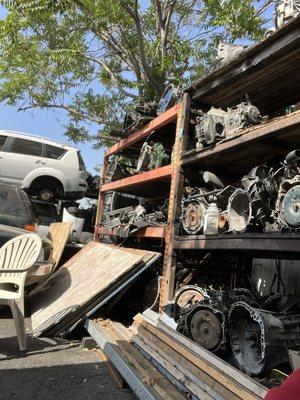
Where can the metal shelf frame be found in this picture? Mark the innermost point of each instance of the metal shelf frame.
(155, 183)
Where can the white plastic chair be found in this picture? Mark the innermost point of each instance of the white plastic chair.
(16, 257)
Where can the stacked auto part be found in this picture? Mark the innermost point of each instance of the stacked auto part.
(286, 215)
(200, 317)
(259, 339)
(258, 331)
(215, 208)
(268, 200)
(131, 218)
(285, 10)
(217, 124)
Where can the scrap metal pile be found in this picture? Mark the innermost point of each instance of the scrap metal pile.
(255, 330)
(268, 200)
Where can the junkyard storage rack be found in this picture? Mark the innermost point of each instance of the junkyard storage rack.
(269, 74)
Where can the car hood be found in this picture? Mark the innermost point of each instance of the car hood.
(10, 232)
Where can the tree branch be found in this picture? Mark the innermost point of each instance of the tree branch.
(134, 14)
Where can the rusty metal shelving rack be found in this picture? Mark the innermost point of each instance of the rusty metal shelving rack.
(143, 184)
(269, 73)
(168, 179)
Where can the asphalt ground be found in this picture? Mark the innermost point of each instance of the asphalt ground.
(52, 369)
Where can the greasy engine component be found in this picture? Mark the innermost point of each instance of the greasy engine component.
(201, 317)
(227, 52)
(193, 211)
(262, 188)
(202, 208)
(286, 10)
(141, 114)
(206, 326)
(129, 219)
(217, 124)
(287, 210)
(210, 127)
(239, 211)
(286, 215)
(241, 117)
(259, 339)
(187, 296)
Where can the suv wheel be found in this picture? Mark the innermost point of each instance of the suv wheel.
(46, 195)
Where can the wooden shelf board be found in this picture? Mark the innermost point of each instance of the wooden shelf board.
(150, 183)
(267, 72)
(156, 123)
(270, 243)
(252, 147)
(155, 232)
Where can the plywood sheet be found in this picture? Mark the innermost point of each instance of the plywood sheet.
(59, 232)
(88, 274)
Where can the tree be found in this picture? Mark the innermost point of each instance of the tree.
(95, 58)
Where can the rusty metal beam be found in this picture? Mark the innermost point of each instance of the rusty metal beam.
(158, 122)
(145, 177)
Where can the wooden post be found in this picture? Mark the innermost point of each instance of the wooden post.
(101, 197)
(177, 181)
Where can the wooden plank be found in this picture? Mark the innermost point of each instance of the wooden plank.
(152, 377)
(101, 196)
(141, 134)
(219, 370)
(262, 243)
(173, 371)
(70, 321)
(180, 367)
(59, 234)
(174, 209)
(253, 73)
(91, 272)
(279, 127)
(142, 178)
(156, 232)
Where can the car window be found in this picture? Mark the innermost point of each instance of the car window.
(54, 152)
(80, 161)
(2, 141)
(28, 147)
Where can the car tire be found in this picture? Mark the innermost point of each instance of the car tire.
(46, 195)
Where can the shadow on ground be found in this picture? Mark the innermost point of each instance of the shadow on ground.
(52, 370)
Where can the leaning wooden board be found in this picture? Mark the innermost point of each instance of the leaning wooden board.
(89, 273)
(72, 320)
(59, 234)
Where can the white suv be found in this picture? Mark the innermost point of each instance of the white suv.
(41, 167)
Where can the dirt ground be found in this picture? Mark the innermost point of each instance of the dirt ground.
(52, 369)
